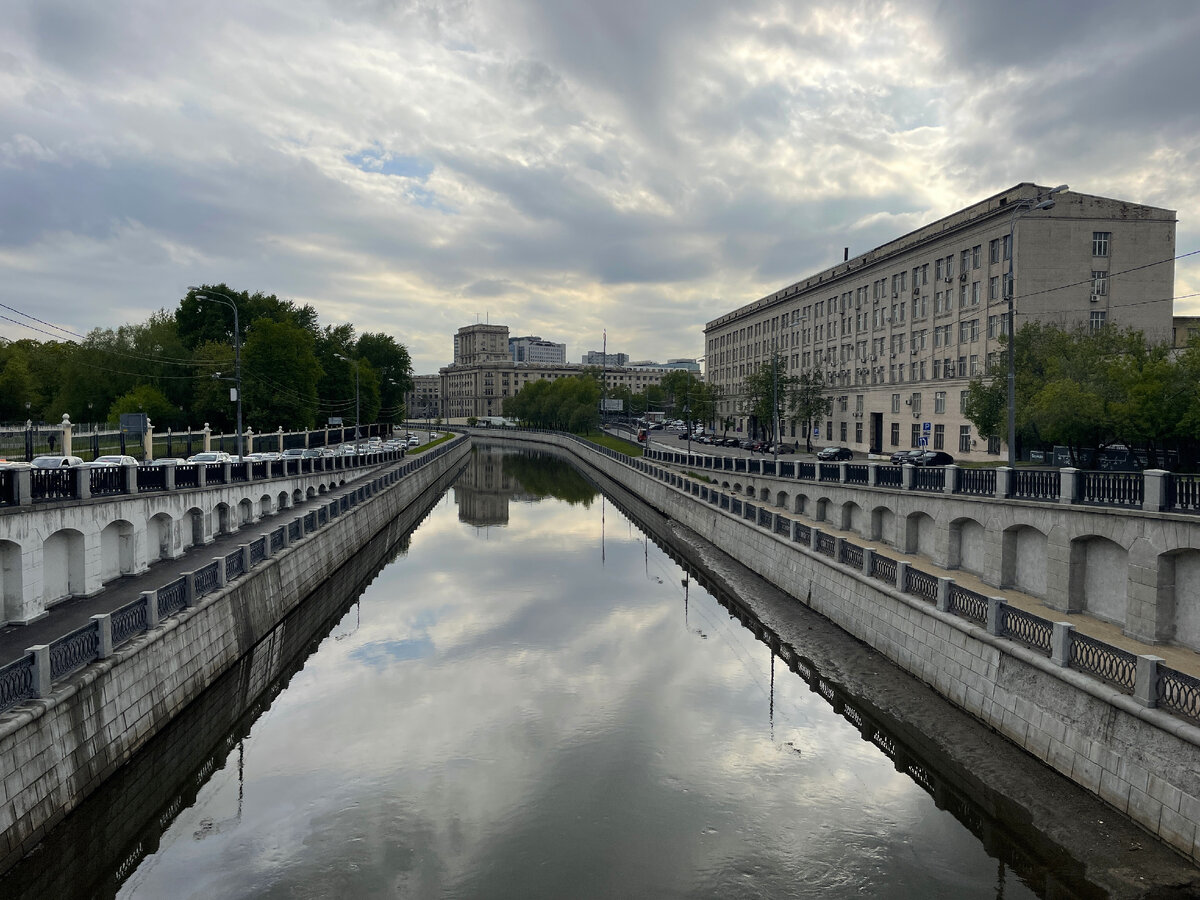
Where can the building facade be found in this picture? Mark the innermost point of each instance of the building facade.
(600, 358)
(424, 401)
(899, 332)
(533, 349)
(480, 378)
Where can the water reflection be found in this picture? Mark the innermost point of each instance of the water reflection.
(561, 709)
(495, 477)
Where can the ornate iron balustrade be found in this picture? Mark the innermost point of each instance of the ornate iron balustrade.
(1183, 493)
(803, 534)
(237, 472)
(293, 528)
(977, 482)
(129, 620)
(322, 516)
(214, 473)
(826, 544)
(829, 472)
(107, 480)
(233, 565)
(8, 487)
(172, 597)
(768, 467)
(764, 518)
(258, 551)
(277, 539)
(1032, 631)
(782, 526)
(806, 471)
(852, 555)
(922, 584)
(1036, 484)
(1116, 666)
(310, 521)
(52, 484)
(889, 476)
(969, 604)
(151, 478)
(74, 651)
(929, 478)
(186, 476)
(883, 568)
(787, 470)
(1112, 488)
(16, 682)
(260, 469)
(206, 579)
(1178, 692)
(856, 473)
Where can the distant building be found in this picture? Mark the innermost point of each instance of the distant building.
(1184, 329)
(598, 358)
(534, 350)
(424, 401)
(689, 365)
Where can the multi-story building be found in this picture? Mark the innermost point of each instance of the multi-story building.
(599, 358)
(533, 349)
(481, 377)
(1186, 329)
(899, 332)
(424, 401)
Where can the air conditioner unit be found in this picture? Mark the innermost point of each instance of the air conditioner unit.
(962, 277)
(1095, 298)
(949, 279)
(908, 402)
(916, 292)
(895, 294)
(893, 356)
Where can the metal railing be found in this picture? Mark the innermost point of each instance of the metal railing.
(107, 480)
(1112, 488)
(1036, 484)
(976, 482)
(1032, 631)
(1103, 660)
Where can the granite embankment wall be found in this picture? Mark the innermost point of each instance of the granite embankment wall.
(1144, 762)
(55, 752)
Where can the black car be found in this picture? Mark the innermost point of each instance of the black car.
(934, 458)
(830, 454)
(900, 457)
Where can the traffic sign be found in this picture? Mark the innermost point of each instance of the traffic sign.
(925, 426)
(924, 441)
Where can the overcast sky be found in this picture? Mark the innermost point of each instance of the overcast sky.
(557, 166)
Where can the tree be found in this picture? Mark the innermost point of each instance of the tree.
(390, 360)
(808, 402)
(279, 375)
(765, 387)
(150, 400)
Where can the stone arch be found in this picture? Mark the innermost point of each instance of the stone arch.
(116, 550)
(725, 485)
(245, 511)
(321, 489)
(737, 487)
(781, 500)
(1098, 579)
(297, 497)
(62, 565)
(883, 525)
(11, 581)
(750, 491)
(852, 517)
(1023, 560)
(160, 537)
(800, 504)
(224, 519)
(191, 528)
(283, 501)
(968, 546)
(1179, 594)
(264, 505)
(918, 533)
(311, 492)
(822, 510)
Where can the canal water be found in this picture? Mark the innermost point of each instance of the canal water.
(531, 699)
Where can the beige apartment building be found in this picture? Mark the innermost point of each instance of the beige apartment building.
(483, 373)
(899, 332)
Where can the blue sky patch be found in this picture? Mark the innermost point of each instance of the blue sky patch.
(374, 159)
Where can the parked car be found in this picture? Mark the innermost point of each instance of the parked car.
(934, 458)
(167, 461)
(210, 456)
(55, 462)
(293, 453)
(113, 460)
(900, 457)
(830, 454)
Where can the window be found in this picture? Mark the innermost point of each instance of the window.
(976, 256)
(937, 368)
(939, 402)
(1099, 316)
(939, 437)
(915, 440)
(1100, 242)
(843, 432)
(896, 432)
(964, 438)
(1100, 283)
(895, 403)
(962, 367)
(1008, 289)
(842, 403)
(974, 364)
(994, 251)
(1008, 246)
(858, 404)
(974, 293)
(992, 324)
(994, 287)
(858, 431)
(829, 430)
(994, 445)
(916, 403)
(965, 262)
(937, 269)
(962, 401)
(962, 296)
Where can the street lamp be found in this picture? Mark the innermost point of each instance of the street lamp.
(356, 395)
(1024, 206)
(217, 297)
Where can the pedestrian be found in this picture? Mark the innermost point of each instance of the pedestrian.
(50, 441)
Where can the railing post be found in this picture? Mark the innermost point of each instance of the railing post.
(245, 557)
(104, 630)
(901, 575)
(995, 615)
(1154, 490)
(201, 475)
(872, 474)
(951, 484)
(1060, 643)
(837, 547)
(943, 593)
(1068, 491)
(168, 478)
(151, 598)
(906, 476)
(83, 482)
(1004, 482)
(225, 473)
(814, 535)
(842, 471)
(868, 560)
(130, 479)
(189, 588)
(41, 670)
(1145, 685)
(266, 537)
(23, 483)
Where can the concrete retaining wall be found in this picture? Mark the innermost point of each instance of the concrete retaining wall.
(1144, 762)
(57, 751)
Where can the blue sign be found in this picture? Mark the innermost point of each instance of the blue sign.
(925, 426)
(924, 441)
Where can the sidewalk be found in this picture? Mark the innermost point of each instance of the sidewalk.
(70, 614)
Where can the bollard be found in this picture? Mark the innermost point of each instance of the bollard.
(41, 670)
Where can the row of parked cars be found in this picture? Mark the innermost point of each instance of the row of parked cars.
(899, 458)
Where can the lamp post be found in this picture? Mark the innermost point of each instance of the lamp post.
(356, 395)
(217, 297)
(1024, 206)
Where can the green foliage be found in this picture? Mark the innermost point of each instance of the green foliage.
(568, 404)
(279, 374)
(544, 476)
(808, 401)
(150, 400)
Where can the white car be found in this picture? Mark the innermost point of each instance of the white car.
(413, 442)
(168, 461)
(56, 462)
(210, 456)
(113, 460)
